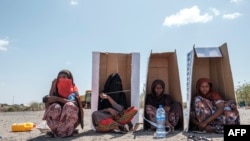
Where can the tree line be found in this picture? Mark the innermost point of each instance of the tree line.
(243, 94)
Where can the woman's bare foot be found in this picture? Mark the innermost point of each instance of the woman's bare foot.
(209, 129)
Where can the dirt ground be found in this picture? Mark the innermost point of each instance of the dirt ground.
(87, 134)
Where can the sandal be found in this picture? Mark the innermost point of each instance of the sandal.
(75, 133)
(124, 128)
(49, 134)
(130, 126)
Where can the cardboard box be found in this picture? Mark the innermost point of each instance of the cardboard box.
(213, 63)
(164, 66)
(128, 67)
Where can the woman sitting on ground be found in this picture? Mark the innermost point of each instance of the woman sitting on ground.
(113, 114)
(157, 97)
(210, 111)
(63, 111)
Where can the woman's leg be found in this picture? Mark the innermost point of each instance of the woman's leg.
(231, 113)
(52, 116)
(68, 120)
(175, 116)
(204, 108)
(151, 114)
(127, 116)
(103, 121)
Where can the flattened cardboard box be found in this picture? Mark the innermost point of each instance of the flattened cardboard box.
(164, 66)
(213, 63)
(127, 65)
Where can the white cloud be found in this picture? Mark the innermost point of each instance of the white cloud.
(187, 16)
(73, 2)
(215, 11)
(3, 45)
(231, 16)
(235, 1)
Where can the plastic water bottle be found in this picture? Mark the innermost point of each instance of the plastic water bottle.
(160, 120)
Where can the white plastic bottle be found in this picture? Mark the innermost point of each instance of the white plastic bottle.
(160, 120)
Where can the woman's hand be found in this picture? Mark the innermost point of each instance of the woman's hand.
(110, 100)
(51, 99)
(48, 100)
(166, 108)
(113, 112)
(103, 96)
(202, 125)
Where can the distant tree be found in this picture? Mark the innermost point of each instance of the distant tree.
(142, 97)
(35, 106)
(243, 93)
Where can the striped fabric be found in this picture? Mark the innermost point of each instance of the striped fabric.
(127, 116)
(109, 124)
(106, 125)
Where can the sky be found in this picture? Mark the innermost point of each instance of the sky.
(40, 38)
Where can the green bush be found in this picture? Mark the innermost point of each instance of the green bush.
(34, 106)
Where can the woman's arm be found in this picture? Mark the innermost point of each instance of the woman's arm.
(53, 87)
(81, 113)
(111, 101)
(112, 111)
(53, 99)
(51, 93)
(218, 112)
(116, 108)
(168, 102)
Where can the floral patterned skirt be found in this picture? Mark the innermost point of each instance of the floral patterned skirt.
(174, 116)
(62, 120)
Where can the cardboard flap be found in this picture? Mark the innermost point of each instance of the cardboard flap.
(208, 52)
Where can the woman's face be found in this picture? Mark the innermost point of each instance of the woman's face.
(204, 88)
(158, 89)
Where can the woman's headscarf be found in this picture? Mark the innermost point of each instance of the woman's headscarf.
(202, 80)
(63, 89)
(212, 95)
(163, 99)
(68, 73)
(155, 82)
(113, 84)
